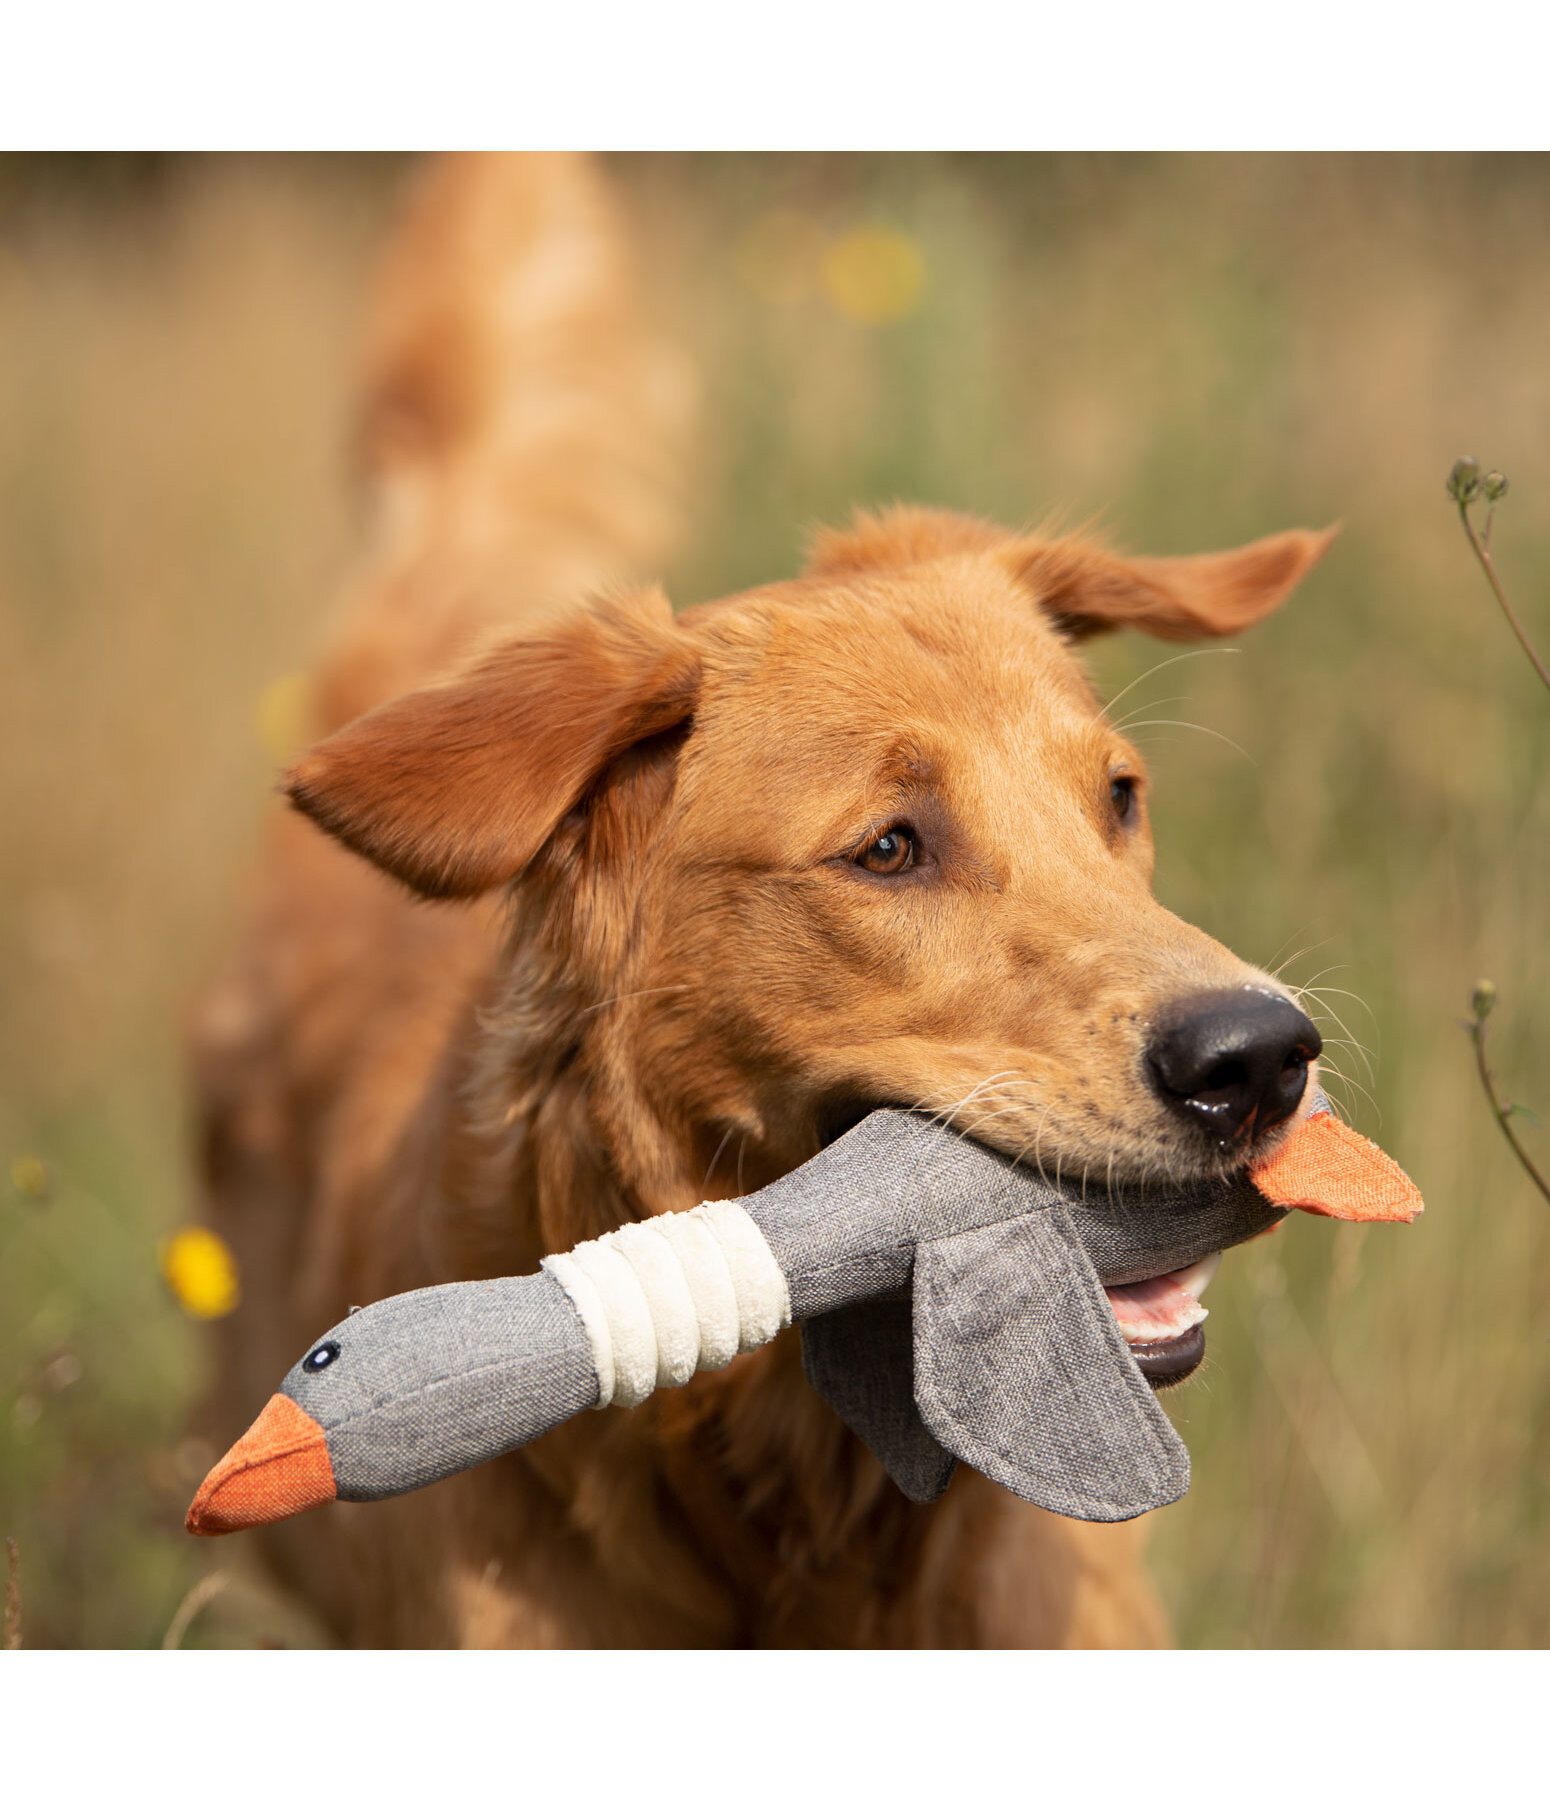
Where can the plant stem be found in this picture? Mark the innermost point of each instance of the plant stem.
(1503, 1113)
(13, 1596)
(1482, 552)
(192, 1604)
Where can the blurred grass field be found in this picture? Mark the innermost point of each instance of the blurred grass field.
(1188, 350)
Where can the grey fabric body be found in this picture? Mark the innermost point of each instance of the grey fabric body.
(861, 1358)
(953, 1307)
(1010, 1358)
(433, 1381)
(845, 1225)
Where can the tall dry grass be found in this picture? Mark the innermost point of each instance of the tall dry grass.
(1190, 350)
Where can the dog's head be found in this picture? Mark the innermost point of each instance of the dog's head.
(859, 839)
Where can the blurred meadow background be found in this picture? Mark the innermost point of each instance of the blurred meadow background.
(1188, 351)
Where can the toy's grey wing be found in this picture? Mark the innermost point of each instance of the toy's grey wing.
(861, 1360)
(1021, 1371)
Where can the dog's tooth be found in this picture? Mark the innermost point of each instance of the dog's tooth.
(1158, 1331)
(1196, 1278)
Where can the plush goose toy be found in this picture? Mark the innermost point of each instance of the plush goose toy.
(954, 1305)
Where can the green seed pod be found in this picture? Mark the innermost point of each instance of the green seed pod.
(1464, 481)
(1485, 999)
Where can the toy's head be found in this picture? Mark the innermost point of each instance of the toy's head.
(400, 1394)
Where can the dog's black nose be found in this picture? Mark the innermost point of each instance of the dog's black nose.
(1235, 1061)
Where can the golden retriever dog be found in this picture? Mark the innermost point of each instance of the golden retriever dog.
(583, 911)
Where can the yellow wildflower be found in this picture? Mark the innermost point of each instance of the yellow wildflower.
(29, 1176)
(200, 1269)
(874, 275)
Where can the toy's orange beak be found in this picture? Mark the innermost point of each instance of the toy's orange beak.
(279, 1466)
(1325, 1167)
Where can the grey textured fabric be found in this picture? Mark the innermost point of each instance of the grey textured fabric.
(1021, 1370)
(845, 1225)
(898, 1195)
(861, 1358)
(430, 1382)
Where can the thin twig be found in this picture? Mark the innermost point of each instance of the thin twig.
(1503, 1113)
(192, 1604)
(13, 1596)
(1465, 485)
(1482, 549)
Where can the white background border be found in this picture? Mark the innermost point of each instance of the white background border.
(774, 74)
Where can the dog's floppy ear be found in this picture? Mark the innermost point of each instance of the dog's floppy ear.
(1085, 589)
(454, 789)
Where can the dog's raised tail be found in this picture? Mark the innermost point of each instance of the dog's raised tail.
(522, 433)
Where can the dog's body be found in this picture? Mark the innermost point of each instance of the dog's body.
(854, 840)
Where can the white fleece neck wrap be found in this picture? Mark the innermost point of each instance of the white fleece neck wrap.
(671, 1295)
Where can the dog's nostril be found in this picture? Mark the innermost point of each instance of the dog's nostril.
(1235, 1062)
(1226, 1075)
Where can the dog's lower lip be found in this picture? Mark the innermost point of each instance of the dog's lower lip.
(1161, 1320)
(1170, 1361)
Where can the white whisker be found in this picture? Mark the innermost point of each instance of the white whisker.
(1167, 700)
(1350, 1038)
(1346, 994)
(1281, 967)
(1184, 725)
(1167, 663)
(725, 1140)
(638, 994)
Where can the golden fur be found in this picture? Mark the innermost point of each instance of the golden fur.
(659, 968)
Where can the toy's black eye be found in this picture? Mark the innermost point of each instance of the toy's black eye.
(1122, 795)
(320, 1358)
(890, 854)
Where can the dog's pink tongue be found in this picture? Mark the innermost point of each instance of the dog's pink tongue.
(1151, 1311)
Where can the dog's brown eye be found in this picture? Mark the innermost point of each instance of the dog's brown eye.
(1122, 795)
(890, 854)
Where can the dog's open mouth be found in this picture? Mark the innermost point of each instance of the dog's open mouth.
(1161, 1320)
